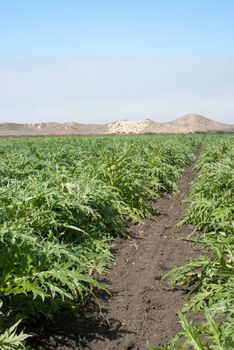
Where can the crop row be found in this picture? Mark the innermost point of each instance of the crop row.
(211, 211)
(62, 200)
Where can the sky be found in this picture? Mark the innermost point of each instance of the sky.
(95, 61)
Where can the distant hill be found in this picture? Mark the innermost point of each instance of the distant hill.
(13, 129)
(189, 123)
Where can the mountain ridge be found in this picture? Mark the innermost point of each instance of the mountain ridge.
(189, 123)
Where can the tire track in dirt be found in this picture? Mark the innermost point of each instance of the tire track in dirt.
(142, 310)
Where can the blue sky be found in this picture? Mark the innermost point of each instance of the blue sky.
(112, 44)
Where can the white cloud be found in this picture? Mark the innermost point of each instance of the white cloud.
(103, 89)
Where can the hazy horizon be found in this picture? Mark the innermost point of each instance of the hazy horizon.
(97, 62)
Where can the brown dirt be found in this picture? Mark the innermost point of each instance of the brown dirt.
(142, 310)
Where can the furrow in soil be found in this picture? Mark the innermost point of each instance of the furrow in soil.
(141, 310)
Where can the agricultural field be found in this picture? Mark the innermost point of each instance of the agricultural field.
(211, 211)
(63, 200)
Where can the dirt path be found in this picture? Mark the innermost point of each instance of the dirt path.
(142, 310)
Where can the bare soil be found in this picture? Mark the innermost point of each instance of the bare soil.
(142, 309)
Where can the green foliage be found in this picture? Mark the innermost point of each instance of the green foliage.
(208, 336)
(211, 209)
(62, 200)
(9, 340)
(211, 199)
